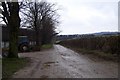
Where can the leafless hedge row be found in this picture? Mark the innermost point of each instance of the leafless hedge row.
(109, 44)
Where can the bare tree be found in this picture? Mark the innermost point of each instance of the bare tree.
(40, 15)
(48, 32)
(31, 19)
(10, 15)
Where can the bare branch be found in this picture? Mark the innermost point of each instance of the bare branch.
(5, 13)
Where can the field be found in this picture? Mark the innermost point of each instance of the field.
(102, 46)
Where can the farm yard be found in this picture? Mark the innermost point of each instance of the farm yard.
(59, 39)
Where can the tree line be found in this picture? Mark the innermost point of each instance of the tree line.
(40, 16)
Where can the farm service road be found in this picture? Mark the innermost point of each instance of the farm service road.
(61, 62)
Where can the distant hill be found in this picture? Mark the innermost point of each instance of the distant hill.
(77, 36)
(106, 33)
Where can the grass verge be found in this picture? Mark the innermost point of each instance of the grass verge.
(47, 46)
(12, 65)
(95, 53)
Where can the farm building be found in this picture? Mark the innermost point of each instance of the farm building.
(22, 32)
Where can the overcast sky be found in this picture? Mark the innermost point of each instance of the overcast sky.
(87, 16)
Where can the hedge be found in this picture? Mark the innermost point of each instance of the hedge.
(109, 44)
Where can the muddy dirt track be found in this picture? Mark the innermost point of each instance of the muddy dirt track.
(61, 62)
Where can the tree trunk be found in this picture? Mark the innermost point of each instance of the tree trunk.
(14, 25)
(37, 37)
(37, 30)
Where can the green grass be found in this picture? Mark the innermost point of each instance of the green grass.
(47, 46)
(11, 65)
(43, 47)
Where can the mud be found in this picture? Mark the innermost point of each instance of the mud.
(61, 62)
